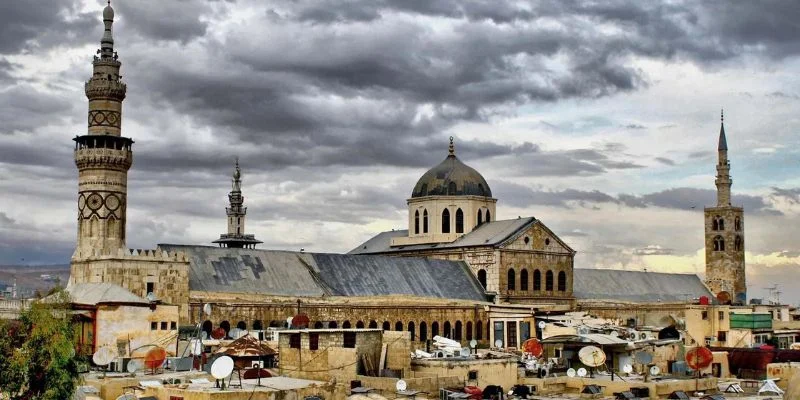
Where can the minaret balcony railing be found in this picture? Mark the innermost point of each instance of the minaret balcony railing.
(115, 159)
(101, 88)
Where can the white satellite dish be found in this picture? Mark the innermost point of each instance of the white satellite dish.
(222, 367)
(289, 322)
(654, 370)
(134, 365)
(571, 372)
(581, 372)
(235, 333)
(196, 347)
(473, 343)
(541, 324)
(592, 356)
(464, 352)
(627, 368)
(207, 309)
(401, 386)
(151, 297)
(614, 334)
(498, 343)
(103, 356)
(204, 335)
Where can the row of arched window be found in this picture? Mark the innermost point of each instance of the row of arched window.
(719, 243)
(483, 216)
(718, 224)
(455, 331)
(524, 281)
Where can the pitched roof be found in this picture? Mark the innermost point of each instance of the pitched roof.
(636, 286)
(488, 234)
(285, 273)
(98, 293)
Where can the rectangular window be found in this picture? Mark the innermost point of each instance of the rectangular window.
(153, 326)
(163, 325)
(704, 314)
(294, 340)
(350, 340)
(721, 316)
(472, 375)
(151, 287)
(511, 330)
(173, 325)
(524, 331)
(722, 336)
(499, 328)
(313, 341)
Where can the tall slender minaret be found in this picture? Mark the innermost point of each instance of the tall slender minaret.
(103, 156)
(724, 235)
(236, 216)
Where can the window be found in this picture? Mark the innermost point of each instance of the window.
(313, 341)
(349, 340)
(719, 243)
(423, 331)
(424, 221)
(704, 315)
(173, 325)
(318, 325)
(488, 216)
(435, 329)
(526, 240)
(258, 325)
(548, 281)
(151, 287)
(446, 221)
(718, 223)
(512, 280)
(208, 326)
(499, 328)
(547, 241)
(416, 222)
(562, 281)
(523, 280)
(451, 188)
(241, 325)
(164, 325)
(480, 218)
(457, 332)
(360, 324)
(459, 221)
(153, 326)
(737, 224)
(482, 277)
(737, 243)
(411, 330)
(537, 280)
(346, 325)
(469, 330)
(226, 326)
(294, 340)
(448, 332)
(721, 315)
(472, 375)
(479, 330)
(398, 326)
(722, 336)
(387, 326)
(511, 333)
(373, 324)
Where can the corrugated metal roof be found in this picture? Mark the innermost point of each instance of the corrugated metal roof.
(488, 234)
(636, 286)
(284, 273)
(97, 293)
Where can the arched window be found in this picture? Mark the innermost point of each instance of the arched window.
(360, 324)
(411, 330)
(719, 243)
(208, 326)
(562, 281)
(523, 279)
(346, 325)
(451, 188)
(737, 224)
(387, 326)
(373, 324)
(479, 330)
(333, 325)
(482, 277)
(258, 325)
(457, 332)
(416, 222)
(537, 280)
(512, 280)
(398, 326)
(488, 216)
(737, 243)
(721, 224)
(548, 281)
(446, 221)
(425, 221)
(718, 224)
(423, 331)
(480, 218)
(318, 325)
(434, 329)
(448, 332)
(469, 330)
(241, 325)
(226, 326)
(459, 221)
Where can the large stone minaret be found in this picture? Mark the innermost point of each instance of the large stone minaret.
(237, 214)
(103, 156)
(724, 235)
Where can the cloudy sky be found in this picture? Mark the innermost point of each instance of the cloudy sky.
(599, 118)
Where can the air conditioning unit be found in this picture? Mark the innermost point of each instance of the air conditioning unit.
(710, 339)
(257, 364)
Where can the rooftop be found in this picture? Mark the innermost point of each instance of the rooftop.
(637, 286)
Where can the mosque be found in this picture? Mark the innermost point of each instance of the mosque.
(455, 272)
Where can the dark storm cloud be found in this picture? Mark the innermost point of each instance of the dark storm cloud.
(530, 160)
(23, 107)
(791, 195)
(28, 25)
(665, 161)
(6, 221)
(165, 20)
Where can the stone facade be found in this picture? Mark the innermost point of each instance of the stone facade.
(332, 356)
(425, 218)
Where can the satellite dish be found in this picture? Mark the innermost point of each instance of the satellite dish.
(541, 324)
(592, 356)
(103, 356)
(300, 321)
(643, 357)
(464, 352)
(155, 357)
(196, 347)
(614, 334)
(207, 309)
(699, 358)
(473, 343)
(401, 386)
(571, 372)
(654, 370)
(204, 335)
(134, 365)
(627, 368)
(498, 343)
(151, 297)
(581, 372)
(533, 347)
(222, 367)
(235, 333)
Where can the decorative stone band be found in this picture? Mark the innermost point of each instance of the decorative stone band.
(111, 62)
(117, 160)
(101, 204)
(129, 254)
(108, 118)
(99, 89)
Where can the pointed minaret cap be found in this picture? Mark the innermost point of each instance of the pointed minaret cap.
(723, 142)
(452, 149)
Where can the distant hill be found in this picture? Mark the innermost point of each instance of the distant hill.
(31, 278)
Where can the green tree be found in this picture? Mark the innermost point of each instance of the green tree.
(37, 356)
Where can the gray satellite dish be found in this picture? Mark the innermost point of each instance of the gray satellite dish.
(204, 335)
(222, 367)
(473, 343)
(134, 365)
(592, 356)
(581, 372)
(401, 386)
(627, 368)
(103, 356)
(235, 333)
(464, 352)
(151, 297)
(643, 357)
(541, 324)
(571, 372)
(655, 370)
(498, 343)
(614, 334)
(207, 309)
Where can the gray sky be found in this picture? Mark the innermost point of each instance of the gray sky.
(599, 118)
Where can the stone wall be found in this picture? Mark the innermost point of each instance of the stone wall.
(725, 270)
(128, 328)
(501, 372)
(331, 360)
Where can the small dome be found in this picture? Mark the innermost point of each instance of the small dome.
(451, 178)
(108, 12)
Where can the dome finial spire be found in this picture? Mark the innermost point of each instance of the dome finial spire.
(452, 149)
(722, 115)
